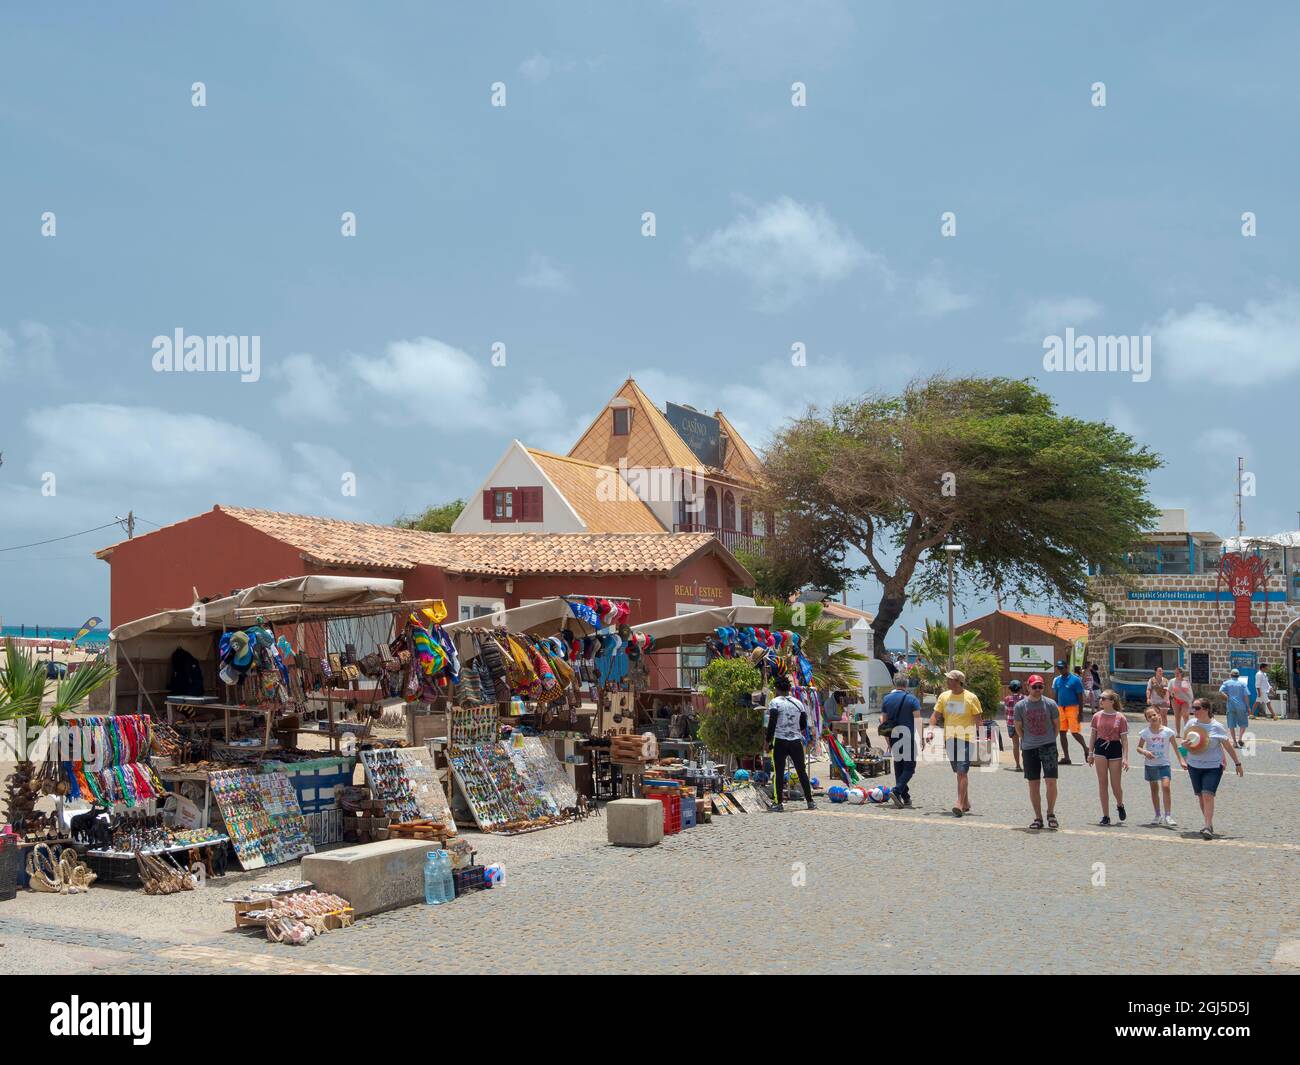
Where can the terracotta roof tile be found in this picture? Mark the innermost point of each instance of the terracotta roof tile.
(603, 500)
(333, 542)
(1061, 628)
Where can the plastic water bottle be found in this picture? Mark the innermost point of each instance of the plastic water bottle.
(434, 892)
(448, 882)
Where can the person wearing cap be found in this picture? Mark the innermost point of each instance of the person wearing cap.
(898, 712)
(1237, 691)
(1009, 704)
(962, 715)
(1204, 760)
(1037, 722)
(787, 721)
(1068, 690)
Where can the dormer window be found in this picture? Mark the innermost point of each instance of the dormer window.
(622, 420)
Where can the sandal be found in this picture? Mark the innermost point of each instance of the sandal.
(956, 811)
(1052, 822)
(1036, 823)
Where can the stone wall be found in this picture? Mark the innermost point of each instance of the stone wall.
(1202, 624)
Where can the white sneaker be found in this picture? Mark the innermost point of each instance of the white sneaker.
(1170, 822)
(1156, 822)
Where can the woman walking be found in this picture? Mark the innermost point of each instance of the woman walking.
(1205, 760)
(1180, 699)
(1109, 753)
(1158, 694)
(1010, 704)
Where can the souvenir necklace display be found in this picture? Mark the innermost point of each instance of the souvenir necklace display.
(111, 764)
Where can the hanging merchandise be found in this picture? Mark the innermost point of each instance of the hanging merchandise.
(113, 766)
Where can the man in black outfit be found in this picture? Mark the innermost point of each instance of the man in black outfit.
(787, 720)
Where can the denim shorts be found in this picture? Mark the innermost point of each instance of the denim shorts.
(959, 754)
(1238, 718)
(1205, 779)
(1156, 772)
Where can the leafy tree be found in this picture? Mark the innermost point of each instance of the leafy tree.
(825, 642)
(729, 726)
(985, 462)
(971, 654)
(435, 518)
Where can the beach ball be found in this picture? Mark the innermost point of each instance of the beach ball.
(815, 782)
(879, 793)
(857, 796)
(836, 793)
(494, 874)
(742, 775)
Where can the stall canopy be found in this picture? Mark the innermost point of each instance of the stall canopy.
(543, 618)
(286, 598)
(693, 628)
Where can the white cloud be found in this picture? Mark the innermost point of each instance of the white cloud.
(145, 447)
(1220, 441)
(536, 67)
(30, 354)
(1259, 345)
(546, 275)
(308, 390)
(782, 248)
(434, 382)
(1051, 317)
(936, 297)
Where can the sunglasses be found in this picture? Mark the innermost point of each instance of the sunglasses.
(1035, 687)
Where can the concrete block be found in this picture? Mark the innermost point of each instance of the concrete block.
(372, 876)
(635, 822)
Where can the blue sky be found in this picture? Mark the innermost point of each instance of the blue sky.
(522, 225)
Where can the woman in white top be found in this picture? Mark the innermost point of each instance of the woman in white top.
(1180, 699)
(1158, 694)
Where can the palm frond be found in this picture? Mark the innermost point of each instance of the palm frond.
(22, 685)
(75, 689)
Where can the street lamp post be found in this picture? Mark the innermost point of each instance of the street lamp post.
(951, 550)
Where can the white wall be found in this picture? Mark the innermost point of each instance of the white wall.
(516, 469)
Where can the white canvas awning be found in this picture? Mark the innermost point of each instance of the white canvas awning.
(543, 619)
(283, 598)
(694, 627)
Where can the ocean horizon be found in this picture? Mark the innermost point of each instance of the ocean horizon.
(54, 632)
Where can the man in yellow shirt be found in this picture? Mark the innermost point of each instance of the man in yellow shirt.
(962, 714)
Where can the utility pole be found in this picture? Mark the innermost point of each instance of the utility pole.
(128, 523)
(1241, 524)
(951, 550)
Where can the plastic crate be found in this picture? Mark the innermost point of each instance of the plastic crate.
(470, 879)
(688, 812)
(672, 810)
(113, 870)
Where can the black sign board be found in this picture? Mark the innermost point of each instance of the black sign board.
(701, 432)
(1200, 667)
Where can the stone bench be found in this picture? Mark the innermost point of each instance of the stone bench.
(372, 876)
(634, 822)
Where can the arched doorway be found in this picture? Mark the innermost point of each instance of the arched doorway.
(711, 507)
(1135, 652)
(1291, 656)
(728, 510)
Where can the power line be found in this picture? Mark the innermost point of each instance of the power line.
(56, 539)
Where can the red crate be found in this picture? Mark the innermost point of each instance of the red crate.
(672, 810)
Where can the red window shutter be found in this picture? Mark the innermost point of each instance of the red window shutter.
(530, 504)
(489, 504)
